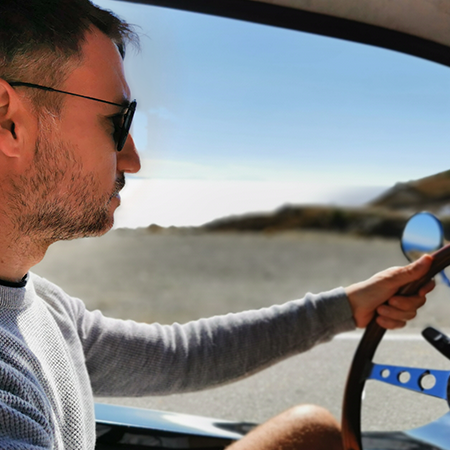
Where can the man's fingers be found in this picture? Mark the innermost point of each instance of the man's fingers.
(396, 314)
(390, 324)
(400, 309)
(406, 303)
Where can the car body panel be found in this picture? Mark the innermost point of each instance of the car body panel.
(169, 421)
(436, 433)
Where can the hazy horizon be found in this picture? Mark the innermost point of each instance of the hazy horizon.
(195, 202)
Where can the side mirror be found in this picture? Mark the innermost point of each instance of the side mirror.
(423, 234)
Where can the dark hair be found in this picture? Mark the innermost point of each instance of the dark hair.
(41, 40)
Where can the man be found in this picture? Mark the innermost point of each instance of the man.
(65, 112)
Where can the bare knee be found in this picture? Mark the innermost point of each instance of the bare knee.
(311, 415)
(301, 427)
(312, 426)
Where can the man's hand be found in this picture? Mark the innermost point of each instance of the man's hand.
(378, 294)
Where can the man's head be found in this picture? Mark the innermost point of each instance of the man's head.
(41, 40)
(57, 152)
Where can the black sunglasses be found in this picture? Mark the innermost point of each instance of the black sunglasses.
(123, 129)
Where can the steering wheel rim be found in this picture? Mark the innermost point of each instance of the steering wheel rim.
(362, 360)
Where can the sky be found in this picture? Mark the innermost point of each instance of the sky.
(235, 117)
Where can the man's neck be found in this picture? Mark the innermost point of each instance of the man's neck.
(17, 255)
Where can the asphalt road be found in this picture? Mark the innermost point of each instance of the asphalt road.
(179, 277)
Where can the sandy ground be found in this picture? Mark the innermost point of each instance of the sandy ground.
(178, 277)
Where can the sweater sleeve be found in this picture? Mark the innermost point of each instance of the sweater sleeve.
(25, 413)
(125, 358)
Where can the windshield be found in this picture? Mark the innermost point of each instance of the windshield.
(236, 117)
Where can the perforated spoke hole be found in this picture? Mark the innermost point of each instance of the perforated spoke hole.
(385, 373)
(404, 377)
(427, 381)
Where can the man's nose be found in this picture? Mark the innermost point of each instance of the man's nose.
(128, 160)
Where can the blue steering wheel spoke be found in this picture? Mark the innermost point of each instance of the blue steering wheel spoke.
(424, 381)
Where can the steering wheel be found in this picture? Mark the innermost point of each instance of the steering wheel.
(362, 367)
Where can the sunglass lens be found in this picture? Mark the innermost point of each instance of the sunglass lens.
(127, 120)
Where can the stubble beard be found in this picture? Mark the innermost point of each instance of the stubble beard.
(56, 201)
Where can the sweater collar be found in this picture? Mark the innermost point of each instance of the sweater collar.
(17, 297)
(15, 284)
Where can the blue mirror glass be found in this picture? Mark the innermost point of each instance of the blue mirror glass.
(422, 234)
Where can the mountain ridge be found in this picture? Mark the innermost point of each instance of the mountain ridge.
(384, 216)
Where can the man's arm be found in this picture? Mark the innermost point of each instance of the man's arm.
(133, 359)
(25, 412)
(145, 359)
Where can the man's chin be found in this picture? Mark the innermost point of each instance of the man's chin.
(96, 228)
(87, 233)
(107, 224)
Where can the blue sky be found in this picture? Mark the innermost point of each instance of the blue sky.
(224, 100)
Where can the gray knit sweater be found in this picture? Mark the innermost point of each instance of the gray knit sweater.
(55, 355)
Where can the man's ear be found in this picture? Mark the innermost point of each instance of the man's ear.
(14, 118)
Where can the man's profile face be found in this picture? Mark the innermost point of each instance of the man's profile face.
(71, 189)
